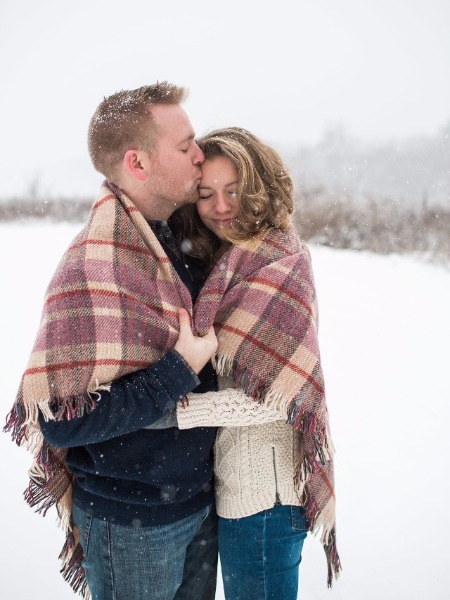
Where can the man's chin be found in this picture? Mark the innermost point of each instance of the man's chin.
(185, 201)
(193, 198)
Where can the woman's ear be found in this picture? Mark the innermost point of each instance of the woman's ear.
(134, 163)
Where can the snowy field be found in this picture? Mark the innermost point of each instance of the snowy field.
(384, 331)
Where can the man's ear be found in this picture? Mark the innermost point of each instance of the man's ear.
(133, 163)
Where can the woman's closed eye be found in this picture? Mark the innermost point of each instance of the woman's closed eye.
(204, 195)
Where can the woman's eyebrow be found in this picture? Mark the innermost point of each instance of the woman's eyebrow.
(207, 187)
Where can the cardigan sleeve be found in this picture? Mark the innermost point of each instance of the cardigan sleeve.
(226, 408)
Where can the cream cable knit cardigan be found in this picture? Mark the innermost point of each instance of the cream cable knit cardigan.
(254, 452)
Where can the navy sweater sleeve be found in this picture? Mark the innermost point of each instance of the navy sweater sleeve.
(134, 401)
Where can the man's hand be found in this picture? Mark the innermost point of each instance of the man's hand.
(196, 351)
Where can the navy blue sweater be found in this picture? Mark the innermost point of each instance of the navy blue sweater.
(135, 476)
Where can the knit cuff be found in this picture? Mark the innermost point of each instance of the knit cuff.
(227, 408)
(198, 413)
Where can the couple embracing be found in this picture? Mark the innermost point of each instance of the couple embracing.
(174, 398)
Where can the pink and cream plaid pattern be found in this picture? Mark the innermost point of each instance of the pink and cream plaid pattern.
(262, 301)
(111, 308)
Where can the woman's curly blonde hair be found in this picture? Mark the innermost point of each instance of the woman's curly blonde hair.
(265, 191)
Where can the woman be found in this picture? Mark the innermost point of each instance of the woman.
(274, 481)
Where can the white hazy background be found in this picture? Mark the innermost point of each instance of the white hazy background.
(285, 69)
(288, 71)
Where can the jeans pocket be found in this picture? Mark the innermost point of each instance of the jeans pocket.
(298, 518)
(205, 516)
(83, 522)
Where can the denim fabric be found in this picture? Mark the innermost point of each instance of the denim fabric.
(173, 561)
(260, 554)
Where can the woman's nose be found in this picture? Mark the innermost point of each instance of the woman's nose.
(222, 206)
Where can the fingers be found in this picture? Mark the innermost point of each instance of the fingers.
(183, 315)
(210, 334)
(185, 321)
(196, 350)
(186, 327)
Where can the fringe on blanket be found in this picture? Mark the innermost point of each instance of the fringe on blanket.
(323, 450)
(71, 557)
(46, 473)
(319, 522)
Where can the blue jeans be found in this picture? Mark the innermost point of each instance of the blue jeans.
(166, 562)
(260, 555)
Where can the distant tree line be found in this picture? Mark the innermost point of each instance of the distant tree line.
(410, 170)
(383, 226)
(385, 196)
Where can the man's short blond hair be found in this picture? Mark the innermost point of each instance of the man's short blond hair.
(124, 122)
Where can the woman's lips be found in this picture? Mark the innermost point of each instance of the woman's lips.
(223, 222)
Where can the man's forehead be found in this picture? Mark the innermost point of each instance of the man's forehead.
(172, 121)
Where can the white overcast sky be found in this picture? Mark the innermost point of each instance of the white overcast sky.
(285, 69)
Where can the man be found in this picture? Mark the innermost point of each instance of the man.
(142, 499)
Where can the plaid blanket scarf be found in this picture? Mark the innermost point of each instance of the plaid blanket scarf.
(111, 308)
(262, 301)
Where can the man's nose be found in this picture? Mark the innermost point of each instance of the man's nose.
(199, 157)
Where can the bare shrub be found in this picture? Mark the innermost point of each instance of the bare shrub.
(382, 225)
(70, 210)
(379, 226)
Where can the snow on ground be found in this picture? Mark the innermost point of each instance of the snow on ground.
(384, 331)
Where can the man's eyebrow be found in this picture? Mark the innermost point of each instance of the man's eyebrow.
(189, 137)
